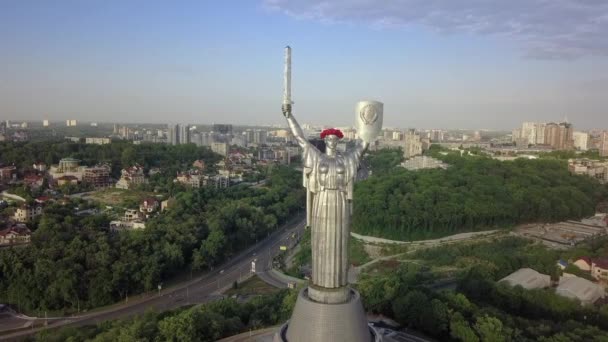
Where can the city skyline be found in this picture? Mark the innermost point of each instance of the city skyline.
(466, 66)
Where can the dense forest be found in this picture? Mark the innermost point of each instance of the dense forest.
(480, 309)
(473, 193)
(76, 262)
(205, 323)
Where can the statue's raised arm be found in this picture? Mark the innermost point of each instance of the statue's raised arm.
(295, 128)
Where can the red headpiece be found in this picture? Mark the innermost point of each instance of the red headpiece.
(332, 131)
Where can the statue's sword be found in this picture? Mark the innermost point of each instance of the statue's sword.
(287, 77)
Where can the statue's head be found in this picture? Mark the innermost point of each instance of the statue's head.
(331, 137)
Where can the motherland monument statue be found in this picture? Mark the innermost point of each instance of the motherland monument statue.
(328, 309)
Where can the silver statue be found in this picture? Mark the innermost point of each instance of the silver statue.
(328, 309)
(329, 178)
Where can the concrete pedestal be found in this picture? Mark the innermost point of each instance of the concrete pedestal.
(314, 322)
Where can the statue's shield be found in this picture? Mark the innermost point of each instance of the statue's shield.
(369, 120)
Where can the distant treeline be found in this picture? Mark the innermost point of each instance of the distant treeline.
(473, 193)
(118, 154)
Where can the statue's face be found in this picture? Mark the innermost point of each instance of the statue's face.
(331, 141)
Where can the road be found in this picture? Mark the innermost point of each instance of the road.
(200, 290)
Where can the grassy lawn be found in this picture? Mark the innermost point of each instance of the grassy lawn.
(357, 254)
(252, 286)
(120, 197)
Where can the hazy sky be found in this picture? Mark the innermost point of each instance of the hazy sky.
(448, 64)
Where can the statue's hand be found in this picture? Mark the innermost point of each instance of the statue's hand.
(286, 110)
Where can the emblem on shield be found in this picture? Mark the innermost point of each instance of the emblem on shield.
(368, 115)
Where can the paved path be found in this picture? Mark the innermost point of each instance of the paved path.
(451, 238)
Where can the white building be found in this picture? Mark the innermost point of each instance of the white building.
(97, 141)
(540, 133)
(71, 123)
(604, 144)
(528, 279)
(528, 132)
(423, 162)
(581, 140)
(578, 288)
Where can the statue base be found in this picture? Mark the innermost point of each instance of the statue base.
(312, 321)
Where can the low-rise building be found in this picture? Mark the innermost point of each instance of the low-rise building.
(8, 173)
(192, 179)
(26, 213)
(589, 167)
(528, 279)
(167, 204)
(97, 141)
(131, 177)
(132, 215)
(220, 148)
(39, 166)
(199, 164)
(423, 162)
(599, 268)
(67, 180)
(33, 181)
(98, 176)
(148, 206)
(17, 234)
(126, 225)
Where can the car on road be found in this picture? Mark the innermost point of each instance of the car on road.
(222, 272)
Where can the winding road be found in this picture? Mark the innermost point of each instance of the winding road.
(199, 290)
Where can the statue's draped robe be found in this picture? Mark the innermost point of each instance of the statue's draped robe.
(329, 180)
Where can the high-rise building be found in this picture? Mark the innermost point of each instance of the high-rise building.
(184, 134)
(436, 135)
(515, 135)
(540, 133)
(581, 140)
(172, 134)
(45, 123)
(559, 136)
(604, 144)
(71, 123)
(528, 132)
(259, 137)
(412, 144)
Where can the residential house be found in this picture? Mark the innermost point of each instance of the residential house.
(131, 177)
(26, 213)
(199, 164)
(599, 268)
(67, 180)
(33, 181)
(8, 173)
(192, 178)
(16, 234)
(148, 206)
(132, 215)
